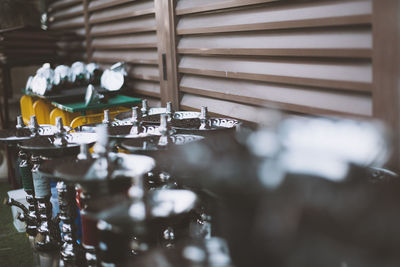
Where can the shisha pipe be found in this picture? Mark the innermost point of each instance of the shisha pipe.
(71, 252)
(95, 173)
(59, 143)
(48, 237)
(29, 214)
(24, 133)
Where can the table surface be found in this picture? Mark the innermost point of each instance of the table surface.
(114, 101)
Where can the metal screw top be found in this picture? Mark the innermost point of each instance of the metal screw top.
(164, 177)
(20, 122)
(163, 124)
(84, 152)
(34, 123)
(144, 108)
(59, 124)
(60, 134)
(135, 130)
(23, 155)
(169, 107)
(35, 159)
(164, 130)
(102, 140)
(135, 114)
(203, 119)
(204, 113)
(145, 145)
(106, 119)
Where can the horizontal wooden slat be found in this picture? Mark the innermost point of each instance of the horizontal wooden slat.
(286, 16)
(30, 44)
(145, 88)
(66, 16)
(99, 5)
(292, 98)
(67, 26)
(123, 16)
(27, 51)
(132, 10)
(136, 25)
(143, 56)
(140, 39)
(114, 60)
(195, 6)
(299, 52)
(72, 23)
(229, 109)
(341, 75)
(124, 46)
(329, 42)
(123, 32)
(44, 36)
(151, 101)
(144, 72)
(70, 12)
(69, 48)
(72, 55)
(308, 23)
(57, 5)
(69, 36)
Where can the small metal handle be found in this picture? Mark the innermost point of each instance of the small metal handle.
(164, 66)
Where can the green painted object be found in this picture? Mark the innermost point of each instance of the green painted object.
(26, 175)
(115, 101)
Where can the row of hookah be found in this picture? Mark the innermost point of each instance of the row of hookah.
(41, 227)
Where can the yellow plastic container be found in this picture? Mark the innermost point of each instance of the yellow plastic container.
(42, 109)
(96, 118)
(66, 116)
(26, 104)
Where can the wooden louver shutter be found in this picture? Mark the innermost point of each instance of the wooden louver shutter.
(66, 19)
(125, 30)
(309, 57)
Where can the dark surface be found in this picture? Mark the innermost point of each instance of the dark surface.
(136, 144)
(10, 135)
(15, 249)
(44, 146)
(47, 168)
(155, 118)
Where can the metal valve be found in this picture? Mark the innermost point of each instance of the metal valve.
(204, 123)
(144, 108)
(25, 216)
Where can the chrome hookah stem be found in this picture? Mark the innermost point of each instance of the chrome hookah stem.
(71, 253)
(47, 232)
(25, 169)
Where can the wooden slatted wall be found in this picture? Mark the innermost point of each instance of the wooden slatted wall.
(309, 57)
(66, 20)
(125, 30)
